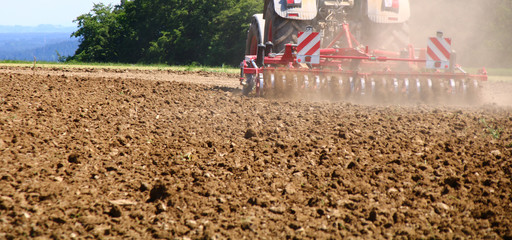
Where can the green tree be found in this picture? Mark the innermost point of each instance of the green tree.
(97, 33)
(166, 31)
(227, 44)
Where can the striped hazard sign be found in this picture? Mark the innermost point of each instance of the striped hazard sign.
(308, 49)
(438, 53)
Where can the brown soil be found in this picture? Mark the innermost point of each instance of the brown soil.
(140, 154)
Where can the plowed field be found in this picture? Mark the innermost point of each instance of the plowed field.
(116, 154)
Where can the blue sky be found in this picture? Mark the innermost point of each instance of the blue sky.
(36, 12)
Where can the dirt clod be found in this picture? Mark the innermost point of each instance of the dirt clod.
(115, 212)
(159, 191)
(452, 182)
(250, 133)
(143, 187)
(74, 158)
(373, 216)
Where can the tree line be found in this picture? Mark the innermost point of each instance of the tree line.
(175, 32)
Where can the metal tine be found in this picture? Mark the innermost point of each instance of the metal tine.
(352, 85)
(453, 86)
(310, 88)
(362, 82)
(407, 86)
(446, 89)
(272, 85)
(327, 86)
(290, 83)
(317, 83)
(282, 85)
(464, 87)
(348, 87)
(260, 85)
(296, 84)
(356, 94)
(395, 85)
(380, 89)
(406, 93)
(321, 91)
(288, 86)
(272, 80)
(475, 90)
(306, 82)
(418, 87)
(344, 87)
(313, 85)
(337, 83)
(299, 83)
(403, 87)
(394, 89)
(278, 82)
(438, 89)
(426, 89)
(389, 88)
(334, 87)
(469, 97)
(325, 83)
(372, 84)
(459, 92)
(267, 84)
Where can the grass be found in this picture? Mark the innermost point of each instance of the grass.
(494, 132)
(495, 74)
(500, 72)
(192, 67)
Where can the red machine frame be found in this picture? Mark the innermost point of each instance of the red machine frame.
(336, 61)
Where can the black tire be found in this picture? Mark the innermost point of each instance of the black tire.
(387, 36)
(251, 48)
(281, 31)
(253, 38)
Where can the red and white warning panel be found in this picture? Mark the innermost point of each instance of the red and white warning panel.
(308, 49)
(438, 53)
(293, 3)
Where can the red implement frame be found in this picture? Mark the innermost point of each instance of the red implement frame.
(339, 61)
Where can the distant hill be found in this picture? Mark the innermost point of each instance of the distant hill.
(44, 28)
(43, 42)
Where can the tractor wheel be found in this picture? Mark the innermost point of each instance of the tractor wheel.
(251, 48)
(387, 36)
(253, 38)
(281, 31)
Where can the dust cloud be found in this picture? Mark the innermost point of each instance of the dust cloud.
(472, 25)
(468, 22)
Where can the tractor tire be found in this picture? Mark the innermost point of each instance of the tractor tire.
(281, 31)
(253, 38)
(251, 48)
(387, 36)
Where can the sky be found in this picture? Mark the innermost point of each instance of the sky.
(37, 12)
